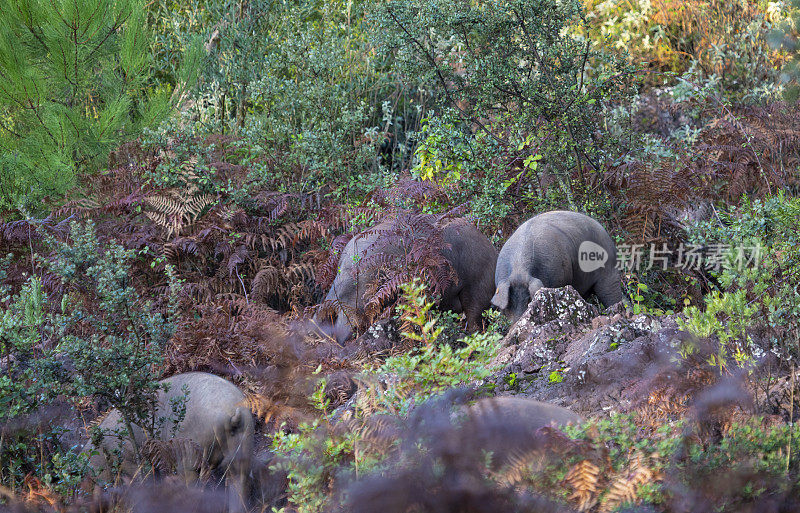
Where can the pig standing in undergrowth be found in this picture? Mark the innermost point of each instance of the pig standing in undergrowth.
(470, 254)
(216, 417)
(533, 414)
(508, 424)
(556, 249)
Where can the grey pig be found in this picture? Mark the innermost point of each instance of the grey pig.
(508, 424)
(216, 417)
(555, 249)
(470, 253)
(534, 414)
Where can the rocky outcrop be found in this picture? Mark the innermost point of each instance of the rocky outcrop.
(563, 352)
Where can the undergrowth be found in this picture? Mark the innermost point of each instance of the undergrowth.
(351, 441)
(208, 239)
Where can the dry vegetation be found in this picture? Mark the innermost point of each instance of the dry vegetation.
(349, 427)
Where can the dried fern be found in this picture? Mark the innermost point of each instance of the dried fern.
(176, 455)
(275, 413)
(178, 207)
(585, 480)
(519, 465)
(624, 487)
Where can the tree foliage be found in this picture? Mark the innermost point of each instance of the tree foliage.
(785, 37)
(76, 79)
(514, 69)
(108, 355)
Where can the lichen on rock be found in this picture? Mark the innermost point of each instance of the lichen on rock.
(597, 357)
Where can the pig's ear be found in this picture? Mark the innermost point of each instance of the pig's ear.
(236, 421)
(534, 284)
(500, 299)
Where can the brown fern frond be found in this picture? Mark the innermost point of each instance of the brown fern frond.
(17, 232)
(179, 207)
(584, 479)
(301, 272)
(418, 193)
(386, 294)
(519, 463)
(268, 280)
(262, 407)
(289, 235)
(227, 332)
(236, 258)
(328, 270)
(274, 413)
(624, 487)
(376, 261)
(175, 455)
(376, 433)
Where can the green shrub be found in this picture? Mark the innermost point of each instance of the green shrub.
(645, 299)
(761, 295)
(102, 342)
(715, 40)
(468, 167)
(312, 457)
(301, 82)
(338, 111)
(727, 316)
(434, 367)
(317, 454)
(674, 461)
(518, 72)
(238, 36)
(785, 37)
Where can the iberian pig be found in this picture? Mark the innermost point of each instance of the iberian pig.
(507, 425)
(216, 418)
(555, 249)
(470, 254)
(533, 414)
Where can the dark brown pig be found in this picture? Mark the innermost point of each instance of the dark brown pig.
(217, 418)
(556, 249)
(470, 254)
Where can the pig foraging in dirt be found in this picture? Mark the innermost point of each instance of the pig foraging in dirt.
(555, 249)
(470, 253)
(216, 418)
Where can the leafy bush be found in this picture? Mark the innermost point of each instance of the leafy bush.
(614, 463)
(312, 457)
(715, 40)
(516, 72)
(734, 342)
(348, 129)
(264, 81)
(785, 37)
(102, 342)
(761, 296)
(320, 453)
(469, 168)
(433, 368)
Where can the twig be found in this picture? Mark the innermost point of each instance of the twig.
(244, 289)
